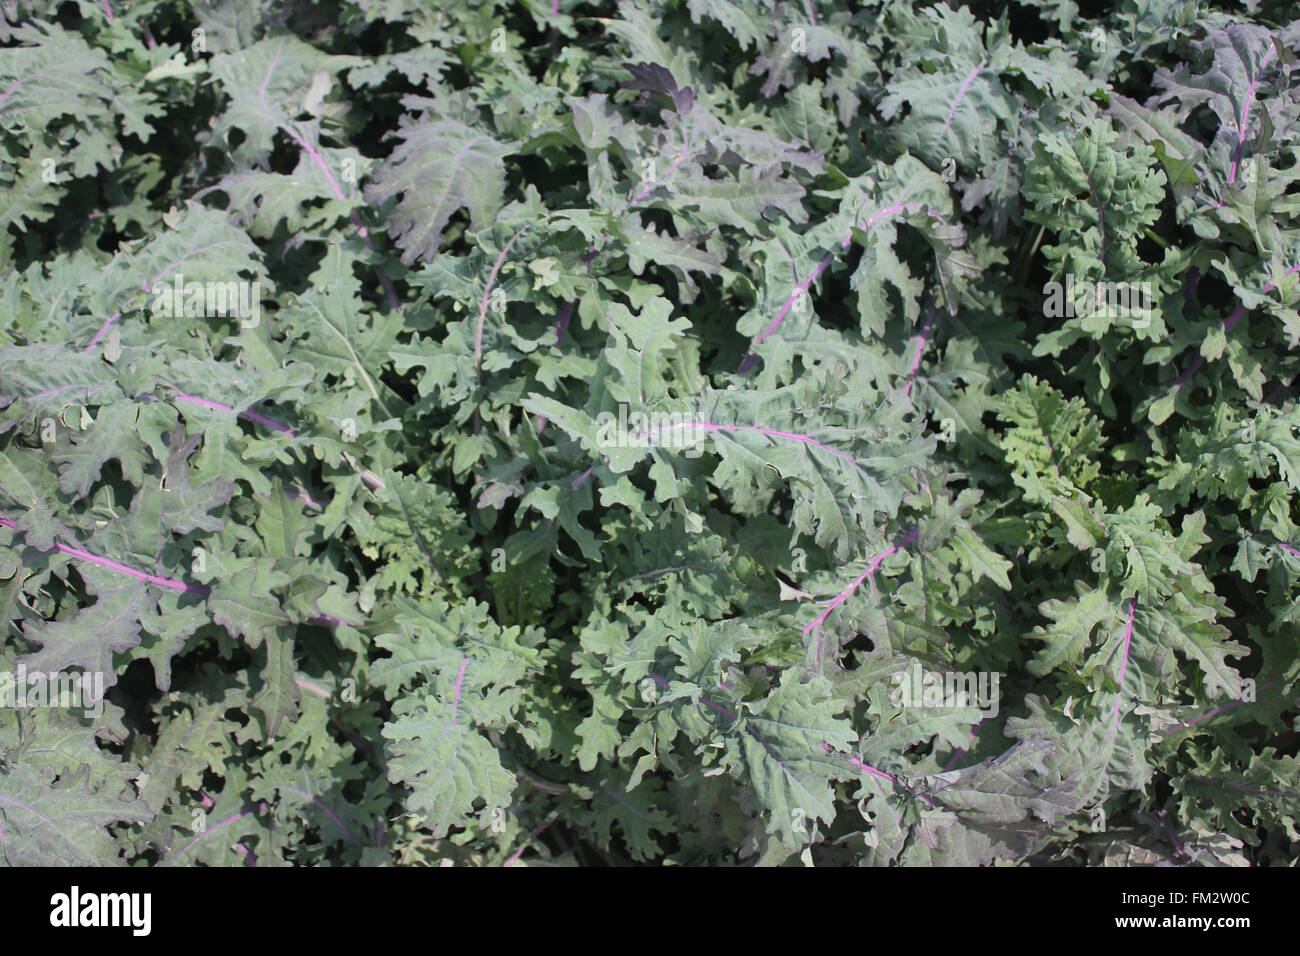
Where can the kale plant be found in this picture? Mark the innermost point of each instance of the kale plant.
(695, 432)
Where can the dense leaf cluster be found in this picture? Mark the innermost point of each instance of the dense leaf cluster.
(631, 396)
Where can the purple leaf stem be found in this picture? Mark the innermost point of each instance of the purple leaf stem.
(802, 287)
(172, 584)
(1245, 115)
(536, 832)
(1233, 786)
(1178, 844)
(1123, 666)
(1218, 710)
(566, 314)
(650, 186)
(1228, 324)
(40, 816)
(709, 426)
(19, 82)
(146, 286)
(315, 689)
(328, 812)
(712, 705)
(487, 291)
(316, 157)
(251, 416)
(875, 772)
(957, 756)
(1189, 286)
(961, 94)
(455, 703)
(212, 829)
(920, 349)
(820, 619)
